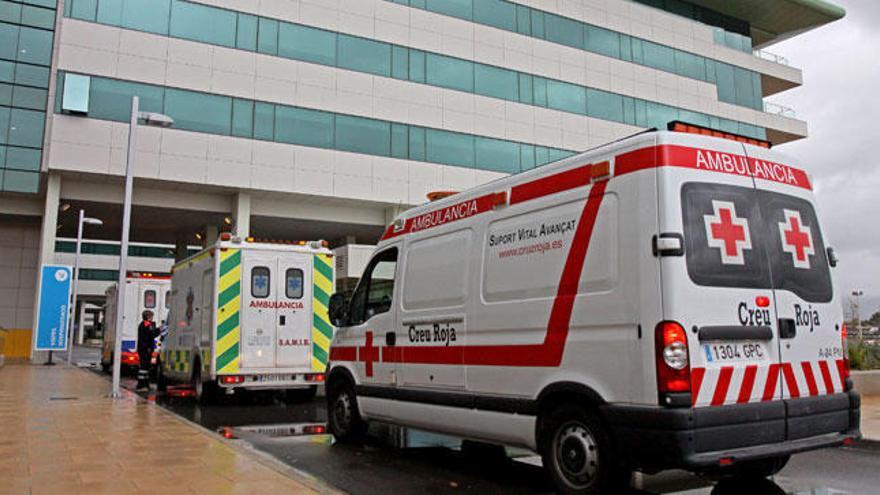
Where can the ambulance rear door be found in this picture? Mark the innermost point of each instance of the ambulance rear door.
(718, 288)
(808, 308)
(259, 292)
(294, 310)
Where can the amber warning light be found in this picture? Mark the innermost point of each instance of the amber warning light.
(679, 126)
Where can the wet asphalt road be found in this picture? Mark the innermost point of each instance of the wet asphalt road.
(396, 460)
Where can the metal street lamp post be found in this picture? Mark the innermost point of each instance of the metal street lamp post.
(83, 219)
(149, 118)
(857, 294)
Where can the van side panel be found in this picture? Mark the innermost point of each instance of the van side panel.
(524, 252)
(187, 321)
(227, 336)
(323, 282)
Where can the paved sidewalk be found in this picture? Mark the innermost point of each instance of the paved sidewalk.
(871, 417)
(60, 434)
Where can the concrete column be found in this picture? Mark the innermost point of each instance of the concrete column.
(212, 232)
(47, 249)
(181, 247)
(392, 212)
(241, 214)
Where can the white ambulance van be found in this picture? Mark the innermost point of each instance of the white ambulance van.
(249, 315)
(663, 301)
(143, 291)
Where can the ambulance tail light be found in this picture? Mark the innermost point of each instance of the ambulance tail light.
(231, 379)
(673, 368)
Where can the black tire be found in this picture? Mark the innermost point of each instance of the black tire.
(300, 394)
(161, 380)
(343, 414)
(577, 453)
(205, 391)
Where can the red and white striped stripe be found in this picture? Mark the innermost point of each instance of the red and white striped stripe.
(738, 384)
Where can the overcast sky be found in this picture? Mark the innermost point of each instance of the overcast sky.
(840, 100)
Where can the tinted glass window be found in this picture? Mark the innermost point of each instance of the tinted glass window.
(260, 282)
(736, 236)
(364, 55)
(566, 97)
(602, 41)
(201, 23)
(797, 251)
(451, 148)
(497, 13)
(293, 285)
(492, 81)
(723, 236)
(564, 31)
(375, 290)
(26, 128)
(149, 299)
(199, 111)
(246, 35)
(497, 155)
(309, 44)
(449, 72)
(35, 46)
(363, 135)
(267, 36)
(167, 299)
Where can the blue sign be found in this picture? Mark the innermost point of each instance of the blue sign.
(53, 308)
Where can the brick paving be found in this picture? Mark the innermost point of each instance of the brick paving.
(59, 434)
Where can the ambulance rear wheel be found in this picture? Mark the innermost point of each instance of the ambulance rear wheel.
(204, 391)
(345, 419)
(577, 453)
(161, 380)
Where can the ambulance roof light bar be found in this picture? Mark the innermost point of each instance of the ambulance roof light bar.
(318, 244)
(679, 126)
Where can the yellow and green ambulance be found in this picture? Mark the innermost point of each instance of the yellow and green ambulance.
(249, 315)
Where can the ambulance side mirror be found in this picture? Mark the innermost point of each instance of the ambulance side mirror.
(832, 256)
(338, 310)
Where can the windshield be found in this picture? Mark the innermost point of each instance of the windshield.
(742, 237)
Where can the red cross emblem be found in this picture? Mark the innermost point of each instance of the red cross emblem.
(797, 239)
(728, 233)
(368, 354)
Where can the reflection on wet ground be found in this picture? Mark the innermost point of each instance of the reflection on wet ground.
(401, 460)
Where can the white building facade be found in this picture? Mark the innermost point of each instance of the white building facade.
(303, 119)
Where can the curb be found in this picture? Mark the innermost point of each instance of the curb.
(265, 459)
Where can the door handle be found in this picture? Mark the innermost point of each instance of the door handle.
(787, 328)
(282, 320)
(390, 338)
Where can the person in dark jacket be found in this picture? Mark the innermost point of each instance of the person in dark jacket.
(146, 342)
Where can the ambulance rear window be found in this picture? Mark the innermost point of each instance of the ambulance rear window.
(747, 238)
(149, 299)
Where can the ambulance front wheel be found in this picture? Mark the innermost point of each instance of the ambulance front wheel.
(346, 423)
(577, 452)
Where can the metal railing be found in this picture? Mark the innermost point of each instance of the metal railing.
(777, 109)
(779, 59)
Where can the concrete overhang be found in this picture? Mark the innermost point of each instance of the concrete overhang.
(772, 21)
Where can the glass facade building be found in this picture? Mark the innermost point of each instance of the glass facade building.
(308, 119)
(27, 29)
